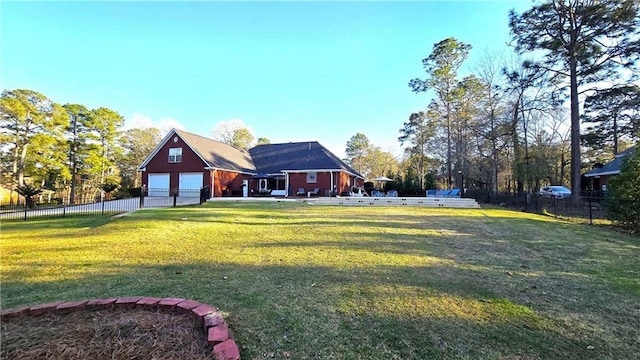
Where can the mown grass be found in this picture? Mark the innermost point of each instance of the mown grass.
(313, 282)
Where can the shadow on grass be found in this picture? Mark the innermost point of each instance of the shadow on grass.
(407, 312)
(496, 287)
(75, 222)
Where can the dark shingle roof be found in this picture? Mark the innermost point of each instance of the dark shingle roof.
(310, 155)
(613, 167)
(218, 155)
(268, 159)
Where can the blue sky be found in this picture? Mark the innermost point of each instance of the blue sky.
(290, 71)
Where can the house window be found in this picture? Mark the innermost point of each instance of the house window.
(312, 178)
(175, 155)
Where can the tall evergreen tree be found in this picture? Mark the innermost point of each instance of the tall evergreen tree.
(612, 114)
(583, 42)
(357, 149)
(104, 125)
(467, 101)
(78, 134)
(137, 145)
(442, 67)
(31, 124)
(242, 139)
(419, 131)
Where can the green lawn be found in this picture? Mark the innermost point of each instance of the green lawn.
(317, 282)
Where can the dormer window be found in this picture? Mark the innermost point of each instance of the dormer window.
(175, 155)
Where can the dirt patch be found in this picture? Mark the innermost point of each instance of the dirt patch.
(119, 333)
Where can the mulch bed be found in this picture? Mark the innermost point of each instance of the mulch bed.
(119, 333)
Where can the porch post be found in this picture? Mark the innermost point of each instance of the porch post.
(213, 183)
(331, 174)
(286, 184)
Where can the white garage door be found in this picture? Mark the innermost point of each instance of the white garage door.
(190, 184)
(158, 185)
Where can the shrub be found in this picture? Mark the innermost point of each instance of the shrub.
(390, 185)
(28, 191)
(624, 194)
(135, 192)
(109, 186)
(430, 180)
(369, 187)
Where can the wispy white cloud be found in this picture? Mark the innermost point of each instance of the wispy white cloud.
(144, 121)
(138, 121)
(224, 128)
(166, 124)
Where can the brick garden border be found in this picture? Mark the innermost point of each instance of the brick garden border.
(215, 327)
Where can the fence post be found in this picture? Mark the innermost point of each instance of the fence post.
(175, 198)
(555, 206)
(103, 205)
(590, 214)
(25, 209)
(64, 209)
(141, 196)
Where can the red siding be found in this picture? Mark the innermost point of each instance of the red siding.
(344, 182)
(297, 181)
(226, 182)
(341, 180)
(191, 162)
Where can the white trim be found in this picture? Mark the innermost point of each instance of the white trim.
(332, 186)
(227, 170)
(157, 149)
(286, 183)
(177, 158)
(325, 170)
(163, 143)
(614, 172)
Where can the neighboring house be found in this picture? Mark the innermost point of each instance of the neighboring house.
(183, 163)
(598, 178)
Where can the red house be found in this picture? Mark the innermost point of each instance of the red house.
(183, 163)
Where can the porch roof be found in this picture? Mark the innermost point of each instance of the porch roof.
(297, 156)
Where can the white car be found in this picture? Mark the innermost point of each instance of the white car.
(558, 192)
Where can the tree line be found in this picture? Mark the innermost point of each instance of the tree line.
(505, 127)
(79, 153)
